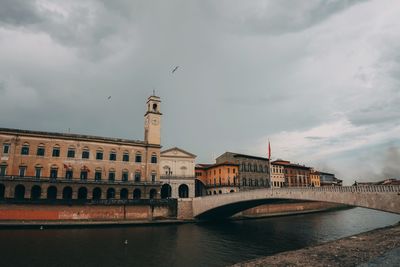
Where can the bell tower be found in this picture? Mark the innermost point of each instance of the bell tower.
(152, 121)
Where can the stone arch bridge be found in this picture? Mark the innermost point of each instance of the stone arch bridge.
(380, 197)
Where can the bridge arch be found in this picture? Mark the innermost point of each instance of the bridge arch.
(384, 198)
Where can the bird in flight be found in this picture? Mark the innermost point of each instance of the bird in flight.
(109, 97)
(175, 69)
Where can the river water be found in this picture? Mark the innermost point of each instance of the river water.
(207, 244)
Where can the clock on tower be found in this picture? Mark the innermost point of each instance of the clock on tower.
(152, 121)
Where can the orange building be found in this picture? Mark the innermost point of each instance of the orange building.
(218, 178)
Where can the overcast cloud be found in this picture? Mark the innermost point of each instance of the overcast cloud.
(319, 78)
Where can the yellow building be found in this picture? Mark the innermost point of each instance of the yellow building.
(315, 178)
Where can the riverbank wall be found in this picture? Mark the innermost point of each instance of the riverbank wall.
(132, 212)
(290, 208)
(78, 212)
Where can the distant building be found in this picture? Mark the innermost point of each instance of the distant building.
(315, 178)
(219, 178)
(177, 173)
(329, 179)
(296, 175)
(277, 175)
(253, 170)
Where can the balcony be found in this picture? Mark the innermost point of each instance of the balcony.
(75, 181)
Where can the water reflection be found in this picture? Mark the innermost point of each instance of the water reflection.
(208, 244)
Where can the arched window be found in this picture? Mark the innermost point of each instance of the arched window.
(19, 192)
(97, 174)
(3, 169)
(40, 150)
(56, 151)
(113, 155)
(54, 172)
(6, 148)
(166, 191)
(138, 157)
(96, 193)
(85, 153)
(125, 156)
(52, 192)
(99, 154)
(125, 175)
(69, 173)
(38, 170)
(22, 170)
(137, 193)
(183, 191)
(71, 152)
(255, 167)
(244, 182)
(154, 158)
(25, 149)
(137, 176)
(111, 175)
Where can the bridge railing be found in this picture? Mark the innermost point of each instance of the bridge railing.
(352, 189)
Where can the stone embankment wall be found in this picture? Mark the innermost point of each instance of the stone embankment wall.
(287, 208)
(43, 212)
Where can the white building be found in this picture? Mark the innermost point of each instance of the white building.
(277, 175)
(177, 173)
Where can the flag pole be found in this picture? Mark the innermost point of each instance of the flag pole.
(269, 163)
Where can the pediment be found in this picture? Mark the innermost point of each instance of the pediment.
(177, 152)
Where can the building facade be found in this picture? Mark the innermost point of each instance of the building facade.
(177, 173)
(277, 175)
(329, 179)
(315, 178)
(45, 165)
(296, 175)
(253, 171)
(219, 178)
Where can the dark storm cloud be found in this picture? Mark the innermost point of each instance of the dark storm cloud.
(278, 17)
(248, 70)
(18, 12)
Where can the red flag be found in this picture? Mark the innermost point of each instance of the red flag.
(65, 166)
(269, 150)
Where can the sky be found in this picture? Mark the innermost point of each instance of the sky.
(319, 79)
